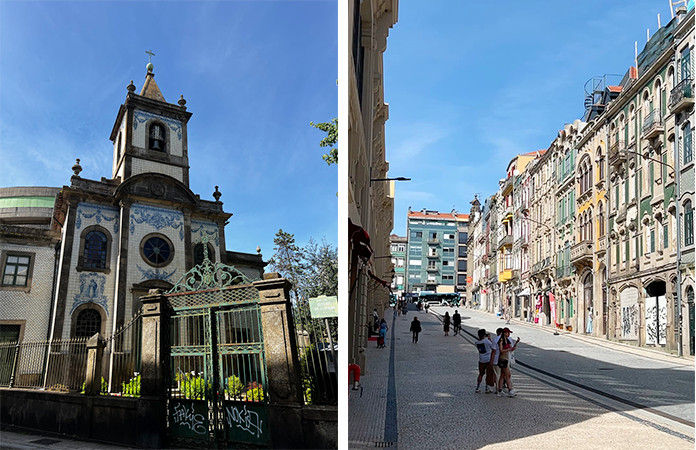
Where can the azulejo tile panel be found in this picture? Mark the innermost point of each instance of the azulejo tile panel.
(91, 290)
(155, 274)
(200, 229)
(99, 213)
(141, 117)
(158, 218)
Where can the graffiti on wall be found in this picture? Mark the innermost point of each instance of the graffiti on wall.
(656, 320)
(629, 314)
(245, 419)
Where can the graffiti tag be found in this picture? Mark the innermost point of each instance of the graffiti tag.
(248, 421)
(190, 419)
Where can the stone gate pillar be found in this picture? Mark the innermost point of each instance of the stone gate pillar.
(152, 402)
(285, 398)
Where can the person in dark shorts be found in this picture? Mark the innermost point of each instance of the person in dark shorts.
(456, 322)
(505, 346)
(415, 329)
(486, 351)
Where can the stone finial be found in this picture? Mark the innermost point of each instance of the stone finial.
(217, 194)
(182, 102)
(258, 250)
(131, 87)
(77, 168)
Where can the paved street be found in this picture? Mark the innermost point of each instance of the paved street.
(436, 407)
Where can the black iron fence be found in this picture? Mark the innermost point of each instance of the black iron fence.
(57, 365)
(317, 345)
(122, 360)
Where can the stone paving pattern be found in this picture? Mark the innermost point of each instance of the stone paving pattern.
(437, 407)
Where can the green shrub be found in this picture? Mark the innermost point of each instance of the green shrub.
(234, 386)
(192, 387)
(104, 387)
(255, 394)
(132, 388)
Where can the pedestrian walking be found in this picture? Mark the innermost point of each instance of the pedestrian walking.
(446, 323)
(494, 361)
(375, 320)
(505, 347)
(427, 305)
(456, 321)
(382, 334)
(486, 351)
(415, 329)
(589, 320)
(396, 311)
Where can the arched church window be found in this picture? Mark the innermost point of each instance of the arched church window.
(157, 137)
(88, 323)
(157, 250)
(94, 256)
(198, 255)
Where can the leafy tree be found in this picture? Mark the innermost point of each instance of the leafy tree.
(331, 139)
(322, 274)
(288, 260)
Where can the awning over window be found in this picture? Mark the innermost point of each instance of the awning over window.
(360, 240)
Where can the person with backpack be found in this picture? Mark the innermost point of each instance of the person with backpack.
(415, 329)
(486, 351)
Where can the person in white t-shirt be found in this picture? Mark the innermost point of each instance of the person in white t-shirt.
(486, 351)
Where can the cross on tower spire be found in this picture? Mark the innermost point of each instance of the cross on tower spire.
(149, 64)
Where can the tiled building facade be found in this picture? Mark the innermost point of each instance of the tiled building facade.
(610, 204)
(103, 244)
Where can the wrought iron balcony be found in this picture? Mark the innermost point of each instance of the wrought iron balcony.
(564, 272)
(541, 265)
(615, 151)
(581, 253)
(682, 96)
(653, 124)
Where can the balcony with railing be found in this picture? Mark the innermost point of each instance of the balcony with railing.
(615, 151)
(581, 253)
(433, 241)
(653, 124)
(433, 256)
(564, 272)
(601, 245)
(682, 96)
(433, 269)
(541, 265)
(506, 241)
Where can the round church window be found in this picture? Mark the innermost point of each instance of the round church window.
(157, 250)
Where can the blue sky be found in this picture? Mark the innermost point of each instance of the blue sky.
(254, 75)
(472, 84)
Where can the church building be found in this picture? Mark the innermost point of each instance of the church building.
(75, 261)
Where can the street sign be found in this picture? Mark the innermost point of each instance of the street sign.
(323, 307)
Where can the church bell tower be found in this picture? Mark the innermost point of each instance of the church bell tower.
(149, 134)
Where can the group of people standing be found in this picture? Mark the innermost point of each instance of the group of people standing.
(494, 361)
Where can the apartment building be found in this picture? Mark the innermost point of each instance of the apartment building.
(432, 255)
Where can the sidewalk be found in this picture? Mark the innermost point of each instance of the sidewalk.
(24, 441)
(367, 407)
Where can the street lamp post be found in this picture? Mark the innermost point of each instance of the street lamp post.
(675, 174)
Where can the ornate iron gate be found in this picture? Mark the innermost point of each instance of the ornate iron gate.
(217, 376)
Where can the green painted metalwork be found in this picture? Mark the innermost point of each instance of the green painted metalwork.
(218, 377)
(209, 275)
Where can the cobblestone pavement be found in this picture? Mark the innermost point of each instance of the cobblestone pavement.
(437, 407)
